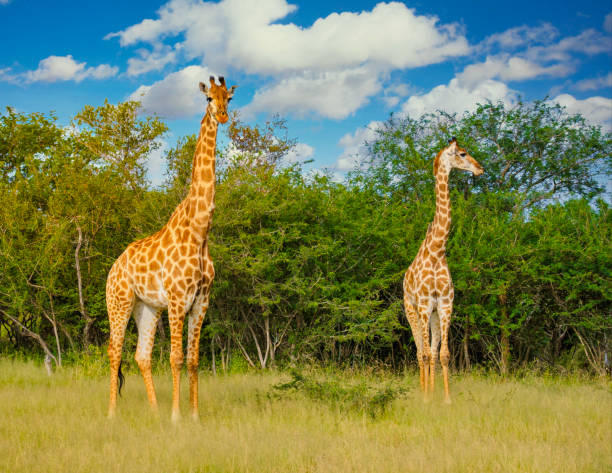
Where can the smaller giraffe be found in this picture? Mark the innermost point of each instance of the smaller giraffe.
(428, 287)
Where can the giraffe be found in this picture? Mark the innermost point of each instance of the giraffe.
(171, 269)
(428, 288)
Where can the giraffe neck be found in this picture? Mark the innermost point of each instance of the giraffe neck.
(442, 218)
(202, 189)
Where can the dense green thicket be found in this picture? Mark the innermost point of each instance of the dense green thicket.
(309, 269)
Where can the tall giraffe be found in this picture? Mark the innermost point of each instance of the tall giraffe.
(428, 288)
(171, 269)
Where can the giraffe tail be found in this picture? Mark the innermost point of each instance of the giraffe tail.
(121, 378)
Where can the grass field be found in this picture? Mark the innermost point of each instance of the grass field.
(58, 424)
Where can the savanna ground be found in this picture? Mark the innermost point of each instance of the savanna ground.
(324, 422)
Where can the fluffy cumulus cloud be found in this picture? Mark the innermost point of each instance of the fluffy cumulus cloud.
(65, 68)
(597, 110)
(247, 34)
(333, 94)
(334, 52)
(355, 146)
(148, 61)
(300, 152)
(177, 95)
(510, 68)
(457, 97)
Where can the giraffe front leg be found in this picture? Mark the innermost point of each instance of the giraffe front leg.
(146, 320)
(196, 317)
(176, 318)
(424, 314)
(435, 341)
(445, 310)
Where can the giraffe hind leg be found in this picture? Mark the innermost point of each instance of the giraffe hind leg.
(413, 320)
(146, 320)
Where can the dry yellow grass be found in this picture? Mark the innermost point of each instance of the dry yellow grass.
(58, 424)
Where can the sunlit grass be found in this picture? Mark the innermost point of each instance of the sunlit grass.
(59, 424)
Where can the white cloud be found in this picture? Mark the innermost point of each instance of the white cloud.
(541, 55)
(330, 68)
(5, 2)
(151, 60)
(589, 42)
(608, 23)
(334, 94)
(391, 100)
(7, 76)
(300, 152)
(597, 110)
(458, 98)
(248, 35)
(156, 164)
(355, 148)
(65, 68)
(177, 95)
(509, 68)
(521, 36)
(595, 83)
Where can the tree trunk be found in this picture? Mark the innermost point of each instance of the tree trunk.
(88, 320)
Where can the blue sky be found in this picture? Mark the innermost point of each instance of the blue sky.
(334, 69)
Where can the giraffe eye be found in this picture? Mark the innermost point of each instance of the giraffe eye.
(462, 155)
(209, 99)
(229, 99)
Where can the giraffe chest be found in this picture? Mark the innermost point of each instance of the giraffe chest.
(176, 273)
(428, 279)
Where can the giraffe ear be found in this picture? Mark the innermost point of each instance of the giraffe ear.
(230, 92)
(203, 87)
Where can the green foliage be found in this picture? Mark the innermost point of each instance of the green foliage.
(361, 397)
(308, 269)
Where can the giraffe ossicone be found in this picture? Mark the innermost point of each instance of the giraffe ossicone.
(170, 269)
(428, 287)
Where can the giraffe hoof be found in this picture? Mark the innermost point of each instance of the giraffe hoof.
(195, 417)
(447, 401)
(176, 417)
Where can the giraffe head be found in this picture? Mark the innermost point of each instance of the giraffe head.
(218, 97)
(454, 156)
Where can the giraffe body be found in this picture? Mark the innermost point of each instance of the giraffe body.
(428, 287)
(170, 269)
